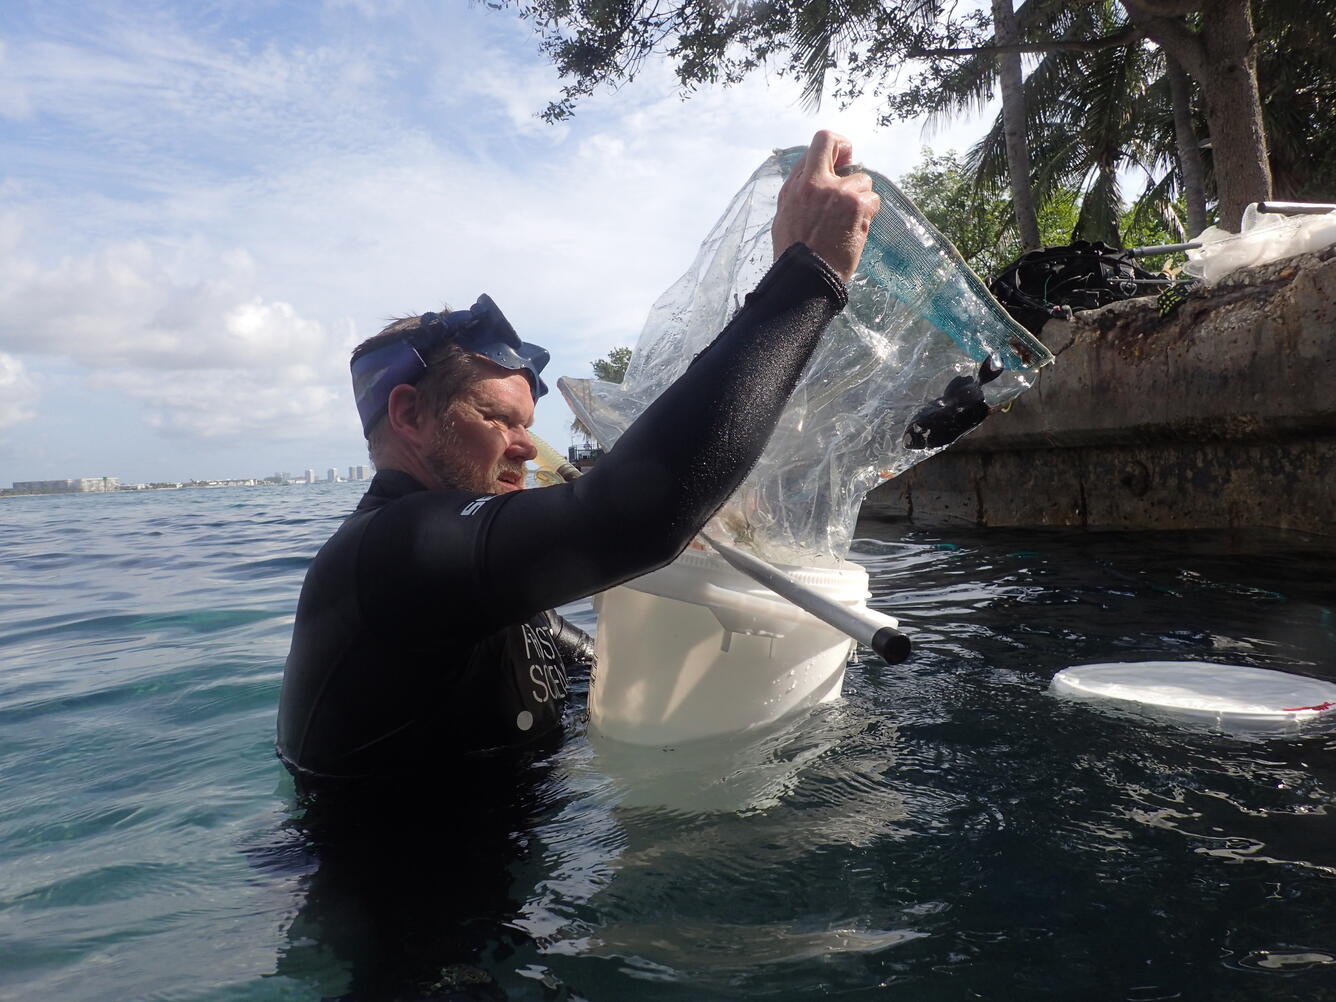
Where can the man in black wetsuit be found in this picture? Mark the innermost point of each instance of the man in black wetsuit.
(422, 635)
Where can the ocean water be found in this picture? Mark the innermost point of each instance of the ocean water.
(948, 830)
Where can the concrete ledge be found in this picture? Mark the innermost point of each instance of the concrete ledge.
(1222, 415)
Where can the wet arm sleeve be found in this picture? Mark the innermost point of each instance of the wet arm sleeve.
(575, 645)
(647, 498)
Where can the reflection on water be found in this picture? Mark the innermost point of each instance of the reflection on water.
(671, 827)
(948, 830)
(741, 773)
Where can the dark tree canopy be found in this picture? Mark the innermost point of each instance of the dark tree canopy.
(594, 43)
(1296, 70)
(1263, 72)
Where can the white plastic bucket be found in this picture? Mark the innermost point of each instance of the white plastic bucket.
(697, 649)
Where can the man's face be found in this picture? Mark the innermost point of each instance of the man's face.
(483, 441)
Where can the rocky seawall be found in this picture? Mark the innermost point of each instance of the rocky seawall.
(1221, 415)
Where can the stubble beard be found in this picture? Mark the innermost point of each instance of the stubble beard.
(459, 473)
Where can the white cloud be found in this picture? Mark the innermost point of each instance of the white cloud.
(292, 402)
(151, 101)
(180, 327)
(154, 304)
(17, 392)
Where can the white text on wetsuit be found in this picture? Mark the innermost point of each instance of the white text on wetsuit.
(549, 679)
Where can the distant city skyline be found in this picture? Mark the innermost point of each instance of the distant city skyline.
(356, 473)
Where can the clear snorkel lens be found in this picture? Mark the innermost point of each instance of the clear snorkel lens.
(482, 330)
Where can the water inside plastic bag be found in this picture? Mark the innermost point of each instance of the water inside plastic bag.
(917, 317)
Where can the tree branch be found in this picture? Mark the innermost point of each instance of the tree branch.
(1165, 8)
(1170, 33)
(1124, 36)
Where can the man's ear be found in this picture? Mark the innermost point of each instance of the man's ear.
(406, 416)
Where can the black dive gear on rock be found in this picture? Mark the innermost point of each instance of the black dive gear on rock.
(422, 632)
(1055, 282)
(960, 408)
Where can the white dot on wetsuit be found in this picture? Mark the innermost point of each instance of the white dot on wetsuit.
(524, 720)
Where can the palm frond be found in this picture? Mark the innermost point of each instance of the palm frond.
(1101, 210)
(1156, 205)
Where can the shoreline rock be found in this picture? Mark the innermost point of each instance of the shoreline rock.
(1221, 415)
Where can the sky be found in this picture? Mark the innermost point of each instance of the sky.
(205, 206)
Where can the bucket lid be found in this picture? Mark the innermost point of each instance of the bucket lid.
(1232, 696)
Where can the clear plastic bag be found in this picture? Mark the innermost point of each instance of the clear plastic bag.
(1263, 237)
(917, 317)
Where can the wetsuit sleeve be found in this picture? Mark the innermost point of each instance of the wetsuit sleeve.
(640, 505)
(575, 645)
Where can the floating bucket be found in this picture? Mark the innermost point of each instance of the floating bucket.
(697, 649)
(1229, 698)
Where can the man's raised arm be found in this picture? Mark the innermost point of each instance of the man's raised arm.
(678, 462)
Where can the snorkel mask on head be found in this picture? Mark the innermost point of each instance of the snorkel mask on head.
(482, 329)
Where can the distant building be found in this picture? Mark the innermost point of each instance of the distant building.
(332, 476)
(310, 476)
(97, 483)
(81, 485)
(44, 486)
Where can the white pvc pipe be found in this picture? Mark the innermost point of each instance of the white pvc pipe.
(869, 627)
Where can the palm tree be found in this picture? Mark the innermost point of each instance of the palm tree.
(1093, 113)
(1262, 78)
(1006, 32)
(1190, 165)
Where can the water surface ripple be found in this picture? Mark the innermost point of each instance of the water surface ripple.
(947, 831)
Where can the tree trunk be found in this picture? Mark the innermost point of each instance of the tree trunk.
(1222, 59)
(1006, 32)
(1234, 109)
(1189, 150)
